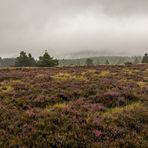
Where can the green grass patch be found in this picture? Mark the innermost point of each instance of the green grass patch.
(57, 106)
(104, 73)
(111, 111)
(5, 87)
(68, 76)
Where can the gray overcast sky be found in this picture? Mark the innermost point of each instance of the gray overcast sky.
(67, 26)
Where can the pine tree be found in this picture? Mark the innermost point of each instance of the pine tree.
(136, 61)
(47, 61)
(25, 61)
(31, 60)
(22, 60)
(107, 62)
(145, 58)
(89, 62)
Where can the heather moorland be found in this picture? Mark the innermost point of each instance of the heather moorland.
(90, 106)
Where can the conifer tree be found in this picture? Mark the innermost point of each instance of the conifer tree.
(145, 58)
(89, 62)
(47, 61)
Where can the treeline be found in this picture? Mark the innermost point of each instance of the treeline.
(27, 60)
(105, 60)
(7, 62)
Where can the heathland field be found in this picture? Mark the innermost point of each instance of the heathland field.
(74, 107)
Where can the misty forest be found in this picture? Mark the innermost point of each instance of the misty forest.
(32, 62)
(89, 89)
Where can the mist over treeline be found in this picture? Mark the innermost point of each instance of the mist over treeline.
(11, 62)
(7, 62)
(102, 60)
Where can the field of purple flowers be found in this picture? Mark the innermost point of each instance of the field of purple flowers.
(74, 107)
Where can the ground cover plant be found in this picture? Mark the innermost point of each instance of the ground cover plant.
(87, 107)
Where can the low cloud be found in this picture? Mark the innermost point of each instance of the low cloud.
(67, 26)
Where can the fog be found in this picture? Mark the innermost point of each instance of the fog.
(64, 27)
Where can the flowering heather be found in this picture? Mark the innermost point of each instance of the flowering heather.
(72, 107)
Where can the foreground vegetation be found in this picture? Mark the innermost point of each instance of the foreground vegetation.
(94, 106)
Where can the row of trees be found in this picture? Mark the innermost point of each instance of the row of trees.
(24, 60)
(89, 61)
(27, 60)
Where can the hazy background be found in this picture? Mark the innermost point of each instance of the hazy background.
(67, 27)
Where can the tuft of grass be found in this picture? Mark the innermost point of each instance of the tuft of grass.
(40, 76)
(57, 105)
(111, 111)
(141, 84)
(146, 70)
(104, 73)
(5, 87)
(68, 76)
(92, 71)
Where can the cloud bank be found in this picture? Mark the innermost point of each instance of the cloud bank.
(67, 26)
